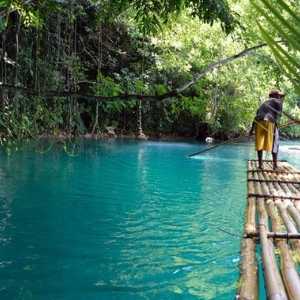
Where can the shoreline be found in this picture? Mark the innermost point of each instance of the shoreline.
(62, 136)
(107, 136)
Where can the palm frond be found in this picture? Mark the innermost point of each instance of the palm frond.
(283, 22)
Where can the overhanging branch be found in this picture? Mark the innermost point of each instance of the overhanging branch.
(126, 96)
(218, 64)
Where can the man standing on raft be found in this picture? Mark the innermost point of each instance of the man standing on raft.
(265, 124)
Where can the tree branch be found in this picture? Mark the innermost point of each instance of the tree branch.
(126, 96)
(217, 64)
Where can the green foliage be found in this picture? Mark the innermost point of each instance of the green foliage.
(106, 86)
(227, 99)
(152, 15)
(101, 48)
(29, 11)
(160, 89)
(284, 19)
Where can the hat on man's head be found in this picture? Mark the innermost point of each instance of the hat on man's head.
(276, 93)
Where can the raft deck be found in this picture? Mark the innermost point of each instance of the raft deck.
(272, 229)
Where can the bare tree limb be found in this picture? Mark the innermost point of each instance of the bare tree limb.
(217, 64)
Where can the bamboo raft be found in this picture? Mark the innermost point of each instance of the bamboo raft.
(272, 232)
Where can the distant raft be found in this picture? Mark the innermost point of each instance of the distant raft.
(272, 220)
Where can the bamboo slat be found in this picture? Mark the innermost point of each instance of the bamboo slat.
(274, 284)
(295, 214)
(273, 281)
(288, 270)
(250, 226)
(286, 219)
(248, 284)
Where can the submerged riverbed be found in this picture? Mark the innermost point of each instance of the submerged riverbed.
(123, 220)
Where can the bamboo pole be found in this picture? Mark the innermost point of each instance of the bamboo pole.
(270, 166)
(273, 188)
(282, 190)
(263, 186)
(294, 177)
(288, 270)
(276, 288)
(288, 223)
(274, 285)
(297, 205)
(250, 226)
(295, 214)
(288, 189)
(248, 285)
(293, 188)
(288, 167)
(286, 218)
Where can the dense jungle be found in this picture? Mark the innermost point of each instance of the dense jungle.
(135, 68)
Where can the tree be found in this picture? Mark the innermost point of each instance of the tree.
(151, 15)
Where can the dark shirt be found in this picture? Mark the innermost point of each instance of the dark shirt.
(270, 110)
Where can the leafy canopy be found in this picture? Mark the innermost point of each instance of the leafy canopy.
(150, 15)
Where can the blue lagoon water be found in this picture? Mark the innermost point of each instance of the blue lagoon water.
(122, 220)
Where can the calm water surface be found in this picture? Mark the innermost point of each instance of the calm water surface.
(122, 220)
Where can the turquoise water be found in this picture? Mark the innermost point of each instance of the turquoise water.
(122, 220)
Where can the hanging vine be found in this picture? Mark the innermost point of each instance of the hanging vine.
(99, 65)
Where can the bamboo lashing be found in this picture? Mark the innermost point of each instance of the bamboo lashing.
(275, 235)
(274, 180)
(272, 171)
(274, 197)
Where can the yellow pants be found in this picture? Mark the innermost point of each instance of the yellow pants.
(264, 135)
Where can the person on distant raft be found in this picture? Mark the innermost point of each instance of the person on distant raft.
(266, 129)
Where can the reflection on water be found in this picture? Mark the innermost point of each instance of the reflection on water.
(122, 220)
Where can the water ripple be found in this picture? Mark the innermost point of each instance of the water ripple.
(122, 220)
